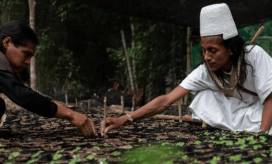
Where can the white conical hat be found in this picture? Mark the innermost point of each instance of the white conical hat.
(217, 19)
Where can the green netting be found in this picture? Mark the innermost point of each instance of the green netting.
(264, 40)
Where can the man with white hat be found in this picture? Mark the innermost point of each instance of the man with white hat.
(232, 86)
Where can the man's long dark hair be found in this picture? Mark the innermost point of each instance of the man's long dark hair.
(19, 32)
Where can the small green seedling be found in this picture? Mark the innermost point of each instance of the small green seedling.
(37, 154)
(242, 146)
(116, 153)
(180, 144)
(184, 157)
(92, 156)
(235, 158)
(77, 149)
(13, 155)
(102, 160)
(76, 159)
(165, 143)
(197, 142)
(96, 147)
(215, 160)
(255, 147)
(106, 145)
(257, 160)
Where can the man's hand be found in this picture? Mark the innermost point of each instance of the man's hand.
(84, 124)
(112, 123)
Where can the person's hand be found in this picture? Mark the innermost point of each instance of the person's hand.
(112, 123)
(84, 124)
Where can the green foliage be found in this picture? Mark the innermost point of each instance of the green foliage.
(153, 154)
(57, 156)
(215, 159)
(96, 147)
(76, 159)
(77, 149)
(13, 155)
(257, 160)
(258, 146)
(92, 156)
(102, 160)
(34, 158)
(180, 144)
(116, 153)
(106, 145)
(235, 158)
(197, 142)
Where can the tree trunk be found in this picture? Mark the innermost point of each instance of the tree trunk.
(188, 56)
(128, 62)
(133, 55)
(32, 5)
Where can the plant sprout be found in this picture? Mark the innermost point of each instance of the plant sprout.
(255, 147)
(235, 158)
(92, 156)
(180, 144)
(77, 149)
(257, 160)
(102, 160)
(116, 153)
(184, 157)
(76, 159)
(215, 160)
(106, 145)
(197, 142)
(96, 147)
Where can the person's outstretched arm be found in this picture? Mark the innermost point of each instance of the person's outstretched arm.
(154, 107)
(81, 121)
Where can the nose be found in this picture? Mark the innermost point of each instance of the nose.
(27, 61)
(206, 56)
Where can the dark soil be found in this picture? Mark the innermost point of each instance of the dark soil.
(28, 133)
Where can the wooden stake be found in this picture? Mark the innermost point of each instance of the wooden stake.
(133, 103)
(89, 104)
(66, 99)
(257, 34)
(122, 104)
(105, 115)
(76, 102)
(204, 125)
(180, 110)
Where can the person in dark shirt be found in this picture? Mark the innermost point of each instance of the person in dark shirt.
(18, 45)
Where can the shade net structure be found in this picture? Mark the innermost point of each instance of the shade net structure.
(184, 12)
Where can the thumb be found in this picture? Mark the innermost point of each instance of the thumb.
(109, 128)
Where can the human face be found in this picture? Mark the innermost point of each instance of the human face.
(216, 55)
(18, 57)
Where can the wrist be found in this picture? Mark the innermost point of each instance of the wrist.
(125, 119)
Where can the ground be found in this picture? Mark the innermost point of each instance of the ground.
(28, 138)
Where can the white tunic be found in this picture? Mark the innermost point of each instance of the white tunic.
(213, 107)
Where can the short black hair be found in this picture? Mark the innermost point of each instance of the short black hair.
(20, 33)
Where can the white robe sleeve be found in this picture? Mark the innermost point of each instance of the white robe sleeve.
(262, 71)
(198, 80)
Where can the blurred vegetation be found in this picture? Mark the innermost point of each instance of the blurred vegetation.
(81, 50)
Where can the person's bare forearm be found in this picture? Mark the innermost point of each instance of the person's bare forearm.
(154, 107)
(267, 115)
(63, 112)
(159, 104)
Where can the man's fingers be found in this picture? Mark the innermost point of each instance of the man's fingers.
(93, 128)
(109, 128)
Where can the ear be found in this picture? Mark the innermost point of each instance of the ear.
(6, 42)
(230, 52)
